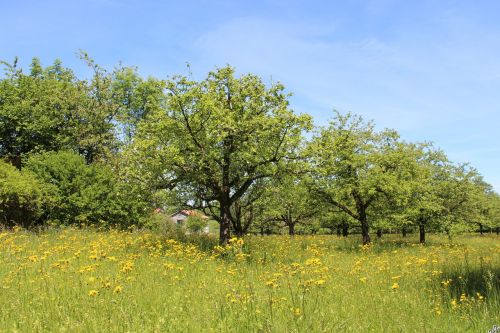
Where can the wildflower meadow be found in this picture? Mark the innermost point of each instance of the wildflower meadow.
(82, 280)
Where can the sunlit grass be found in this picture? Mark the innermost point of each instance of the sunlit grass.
(85, 281)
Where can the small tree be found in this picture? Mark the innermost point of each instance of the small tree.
(356, 167)
(287, 200)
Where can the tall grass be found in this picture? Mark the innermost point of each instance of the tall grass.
(89, 281)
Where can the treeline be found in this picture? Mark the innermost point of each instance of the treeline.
(109, 149)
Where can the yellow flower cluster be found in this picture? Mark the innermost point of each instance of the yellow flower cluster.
(313, 283)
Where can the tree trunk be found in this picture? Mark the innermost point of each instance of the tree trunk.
(404, 231)
(291, 229)
(262, 231)
(421, 228)
(239, 229)
(481, 228)
(497, 230)
(365, 230)
(345, 230)
(379, 233)
(361, 210)
(339, 231)
(225, 223)
(225, 195)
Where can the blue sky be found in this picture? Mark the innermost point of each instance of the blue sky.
(430, 69)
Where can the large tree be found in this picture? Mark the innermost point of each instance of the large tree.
(217, 137)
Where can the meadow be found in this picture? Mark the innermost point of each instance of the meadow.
(82, 280)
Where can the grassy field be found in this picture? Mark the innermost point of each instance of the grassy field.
(88, 281)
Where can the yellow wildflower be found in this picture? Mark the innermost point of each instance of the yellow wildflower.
(93, 293)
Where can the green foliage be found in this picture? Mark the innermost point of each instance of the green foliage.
(85, 194)
(357, 168)
(22, 197)
(490, 216)
(51, 109)
(230, 146)
(288, 202)
(216, 138)
(37, 110)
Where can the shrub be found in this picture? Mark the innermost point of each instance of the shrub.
(22, 197)
(86, 194)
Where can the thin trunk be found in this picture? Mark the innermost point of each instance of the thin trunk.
(345, 229)
(497, 230)
(291, 229)
(262, 231)
(379, 233)
(404, 231)
(339, 231)
(421, 228)
(237, 220)
(481, 228)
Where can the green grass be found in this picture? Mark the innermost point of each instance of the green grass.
(88, 281)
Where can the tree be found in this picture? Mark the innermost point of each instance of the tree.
(460, 193)
(288, 200)
(135, 98)
(444, 196)
(216, 138)
(493, 212)
(421, 204)
(37, 110)
(356, 167)
(50, 109)
(96, 133)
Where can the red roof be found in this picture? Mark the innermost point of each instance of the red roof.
(187, 212)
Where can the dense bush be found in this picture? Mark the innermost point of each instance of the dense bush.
(86, 194)
(23, 199)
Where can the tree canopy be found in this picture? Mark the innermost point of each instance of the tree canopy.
(216, 138)
(112, 147)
